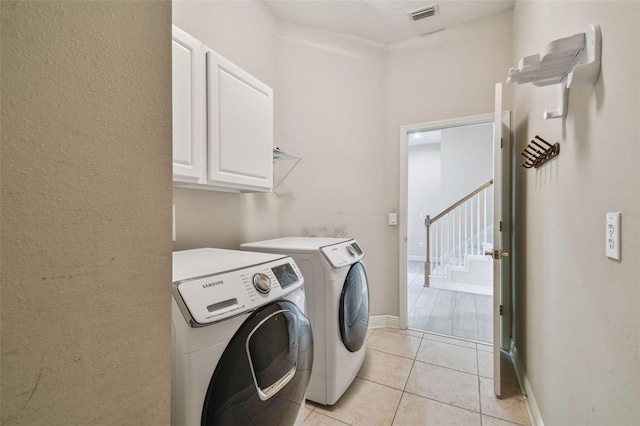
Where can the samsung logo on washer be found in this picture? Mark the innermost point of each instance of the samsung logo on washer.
(212, 284)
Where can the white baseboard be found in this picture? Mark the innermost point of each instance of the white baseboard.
(414, 258)
(381, 321)
(530, 400)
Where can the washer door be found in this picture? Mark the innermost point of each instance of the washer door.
(264, 371)
(354, 308)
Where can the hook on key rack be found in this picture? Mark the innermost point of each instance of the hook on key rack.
(537, 154)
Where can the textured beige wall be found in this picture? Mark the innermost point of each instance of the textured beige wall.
(86, 219)
(578, 311)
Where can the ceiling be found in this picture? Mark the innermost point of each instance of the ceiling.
(383, 21)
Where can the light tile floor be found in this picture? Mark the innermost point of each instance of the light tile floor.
(453, 313)
(413, 378)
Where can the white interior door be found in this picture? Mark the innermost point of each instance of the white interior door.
(501, 235)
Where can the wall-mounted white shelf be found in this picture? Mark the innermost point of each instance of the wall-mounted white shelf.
(567, 62)
(279, 155)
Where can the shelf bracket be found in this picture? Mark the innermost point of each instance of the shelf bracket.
(567, 62)
(279, 155)
(562, 98)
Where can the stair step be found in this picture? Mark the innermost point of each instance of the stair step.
(474, 277)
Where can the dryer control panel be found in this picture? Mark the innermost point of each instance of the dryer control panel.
(342, 254)
(216, 297)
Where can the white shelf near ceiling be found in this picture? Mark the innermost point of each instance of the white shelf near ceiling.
(565, 62)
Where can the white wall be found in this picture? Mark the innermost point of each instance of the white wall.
(339, 104)
(330, 109)
(85, 213)
(578, 311)
(423, 193)
(333, 115)
(244, 32)
(443, 75)
(467, 160)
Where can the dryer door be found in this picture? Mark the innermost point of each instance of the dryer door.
(263, 373)
(354, 308)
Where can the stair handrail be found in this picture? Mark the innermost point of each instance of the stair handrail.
(428, 222)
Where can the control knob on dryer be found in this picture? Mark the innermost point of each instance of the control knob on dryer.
(351, 251)
(262, 283)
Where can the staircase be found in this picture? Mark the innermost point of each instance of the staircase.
(457, 240)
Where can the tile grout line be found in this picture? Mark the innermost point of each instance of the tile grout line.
(446, 403)
(444, 366)
(479, 385)
(407, 381)
(414, 359)
(403, 391)
(392, 354)
(403, 388)
(433, 307)
(333, 418)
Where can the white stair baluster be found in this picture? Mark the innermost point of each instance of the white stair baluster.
(453, 236)
(438, 244)
(441, 237)
(448, 234)
(485, 216)
(478, 224)
(466, 251)
(460, 256)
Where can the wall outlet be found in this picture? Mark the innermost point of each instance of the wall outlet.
(612, 240)
(421, 244)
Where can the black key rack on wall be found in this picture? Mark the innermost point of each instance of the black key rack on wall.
(537, 154)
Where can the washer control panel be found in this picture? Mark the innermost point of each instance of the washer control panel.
(216, 297)
(262, 283)
(342, 254)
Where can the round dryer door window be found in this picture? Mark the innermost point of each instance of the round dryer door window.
(264, 371)
(354, 308)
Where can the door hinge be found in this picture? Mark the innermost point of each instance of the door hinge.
(500, 310)
(500, 226)
(501, 142)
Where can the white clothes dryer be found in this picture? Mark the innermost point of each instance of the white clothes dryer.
(242, 346)
(337, 297)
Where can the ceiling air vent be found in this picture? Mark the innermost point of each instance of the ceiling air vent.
(425, 12)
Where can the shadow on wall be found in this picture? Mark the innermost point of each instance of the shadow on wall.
(520, 230)
(325, 231)
(585, 98)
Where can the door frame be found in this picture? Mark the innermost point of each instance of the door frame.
(507, 325)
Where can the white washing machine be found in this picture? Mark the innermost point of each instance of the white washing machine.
(337, 305)
(242, 346)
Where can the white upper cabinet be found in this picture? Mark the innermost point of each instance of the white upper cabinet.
(222, 121)
(240, 135)
(189, 103)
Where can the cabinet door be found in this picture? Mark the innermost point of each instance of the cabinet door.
(188, 108)
(240, 132)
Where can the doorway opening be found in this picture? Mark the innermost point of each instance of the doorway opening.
(449, 228)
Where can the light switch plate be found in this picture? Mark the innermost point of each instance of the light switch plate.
(393, 219)
(174, 222)
(613, 235)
